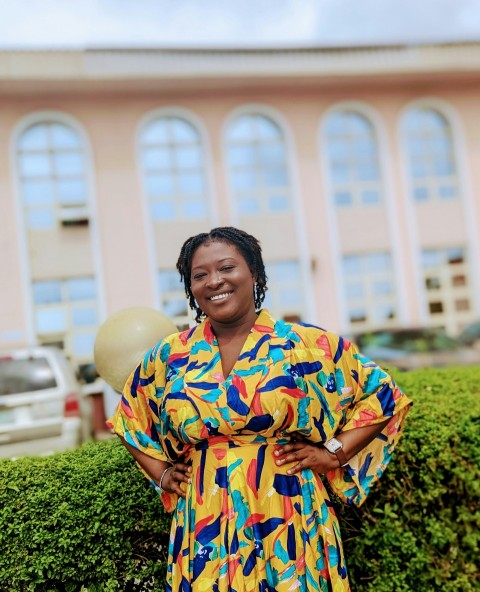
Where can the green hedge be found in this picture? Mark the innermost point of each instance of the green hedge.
(88, 519)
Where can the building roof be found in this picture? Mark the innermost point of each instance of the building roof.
(173, 67)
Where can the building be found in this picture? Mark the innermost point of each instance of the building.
(357, 167)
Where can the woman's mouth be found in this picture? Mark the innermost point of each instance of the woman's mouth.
(221, 296)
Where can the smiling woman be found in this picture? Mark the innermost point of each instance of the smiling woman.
(239, 423)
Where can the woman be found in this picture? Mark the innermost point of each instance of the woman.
(236, 422)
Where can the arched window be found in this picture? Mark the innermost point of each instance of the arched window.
(369, 290)
(51, 168)
(51, 165)
(257, 163)
(430, 155)
(285, 295)
(173, 170)
(66, 315)
(447, 287)
(352, 154)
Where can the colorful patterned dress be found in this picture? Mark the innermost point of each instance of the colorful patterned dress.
(246, 525)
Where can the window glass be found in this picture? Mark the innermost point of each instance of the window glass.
(190, 183)
(35, 138)
(455, 255)
(430, 155)
(245, 179)
(163, 210)
(38, 192)
(182, 131)
(63, 136)
(248, 205)
(277, 203)
(158, 185)
(156, 132)
(370, 196)
(71, 191)
(343, 198)
(66, 311)
(81, 289)
(242, 155)
(420, 193)
(40, 219)
(447, 192)
(34, 165)
(285, 297)
(352, 264)
(446, 282)
(176, 307)
(257, 165)
(173, 299)
(383, 313)
(266, 129)
(241, 129)
(46, 292)
(272, 154)
(354, 290)
(353, 161)
(368, 281)
(357, 315)
(157, 158)
(337, 124)
(85, 316)
(52, 172)
(188, 157)
(377, 262)
(173, 169)
(275, 177)
(193, 208)
(51, 320)
(382, 288)
(82, 344)
(170, 281)
(431, 258)
(433, 283)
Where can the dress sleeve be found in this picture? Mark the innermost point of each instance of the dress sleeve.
(376, 398)
(136, 418)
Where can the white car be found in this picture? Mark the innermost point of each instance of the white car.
(42, 409)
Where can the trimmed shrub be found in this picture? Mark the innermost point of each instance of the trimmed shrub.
(87, 519)
(420, 529)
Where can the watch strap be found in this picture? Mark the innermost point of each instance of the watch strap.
(337, 451)
(342, 457)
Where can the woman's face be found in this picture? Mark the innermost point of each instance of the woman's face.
(222, 282)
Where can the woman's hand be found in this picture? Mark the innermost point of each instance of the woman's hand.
(176, 475)
(305, 456)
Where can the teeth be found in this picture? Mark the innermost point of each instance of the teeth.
(220, 296)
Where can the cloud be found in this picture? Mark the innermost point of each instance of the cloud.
(393, 20)
(57, 23)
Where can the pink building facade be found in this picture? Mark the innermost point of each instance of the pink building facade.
(357, 168)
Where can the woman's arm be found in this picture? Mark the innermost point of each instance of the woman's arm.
(318, 458)
(175, 474)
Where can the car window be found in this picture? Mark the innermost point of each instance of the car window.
(22, 376)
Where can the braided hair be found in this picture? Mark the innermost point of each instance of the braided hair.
(246, 244)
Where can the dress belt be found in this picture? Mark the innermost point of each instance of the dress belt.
(237, 440)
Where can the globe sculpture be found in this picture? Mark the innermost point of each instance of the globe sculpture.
(124, 338)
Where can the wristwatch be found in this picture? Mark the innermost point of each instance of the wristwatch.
(335, 447)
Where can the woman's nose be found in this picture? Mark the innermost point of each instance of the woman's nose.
(215, 280)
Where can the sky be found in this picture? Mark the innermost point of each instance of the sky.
(235, 23)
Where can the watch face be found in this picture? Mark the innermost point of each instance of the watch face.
(333, 445)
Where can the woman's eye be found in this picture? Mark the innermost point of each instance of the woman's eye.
(198, 276)
(228, 268)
